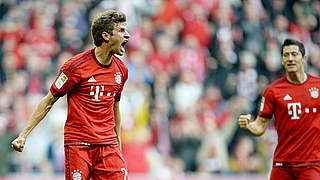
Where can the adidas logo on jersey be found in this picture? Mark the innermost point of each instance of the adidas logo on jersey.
(287, 98)
(92, 79)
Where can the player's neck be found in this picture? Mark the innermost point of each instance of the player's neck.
(103, 55)
(297, 78)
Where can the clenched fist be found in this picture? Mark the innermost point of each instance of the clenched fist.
(18, 144)
(244, 121)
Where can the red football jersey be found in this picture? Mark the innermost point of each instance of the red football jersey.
(91, 89)
(296, 108)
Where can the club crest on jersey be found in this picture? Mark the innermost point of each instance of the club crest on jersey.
(118, 77)
(76, 175)
(314, 92)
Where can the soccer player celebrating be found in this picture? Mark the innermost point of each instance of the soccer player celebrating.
(93, 82)
(294, 100)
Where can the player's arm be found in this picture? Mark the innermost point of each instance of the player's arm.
(257, 127)
(37, 115)
(117, 119)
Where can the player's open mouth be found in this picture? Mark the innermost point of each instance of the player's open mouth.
(123, 44)
(291, 65)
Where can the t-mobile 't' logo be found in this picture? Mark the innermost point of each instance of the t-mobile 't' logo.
(294, 109)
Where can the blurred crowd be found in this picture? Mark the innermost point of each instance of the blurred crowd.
(194, 67)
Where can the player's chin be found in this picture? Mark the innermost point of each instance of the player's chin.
(121, 52)
(291, 69)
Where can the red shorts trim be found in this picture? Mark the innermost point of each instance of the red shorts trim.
(295, 171)
(295, 164)
(79, 143)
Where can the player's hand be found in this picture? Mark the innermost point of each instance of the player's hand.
(244, 121)
(18, 143)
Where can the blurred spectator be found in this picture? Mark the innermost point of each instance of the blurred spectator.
(244, 160)
(5, 137)
(247, 76)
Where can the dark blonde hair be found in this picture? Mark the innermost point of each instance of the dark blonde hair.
(105, 22)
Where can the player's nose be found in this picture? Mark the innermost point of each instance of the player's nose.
(127, 35)
(290, 57)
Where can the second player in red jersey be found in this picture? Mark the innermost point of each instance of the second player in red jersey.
(297, 113)
(295, 103)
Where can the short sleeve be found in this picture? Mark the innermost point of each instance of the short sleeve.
(267, 104)
(67, 78)
(125, 78)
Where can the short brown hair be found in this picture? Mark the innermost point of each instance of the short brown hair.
(288, 42)
(105, 22)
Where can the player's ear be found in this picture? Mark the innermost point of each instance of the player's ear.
(106, 36)
(304, 59)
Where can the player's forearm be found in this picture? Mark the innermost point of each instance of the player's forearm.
(118, 131)
(117, 119)
(257, 128)
(38, 114)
